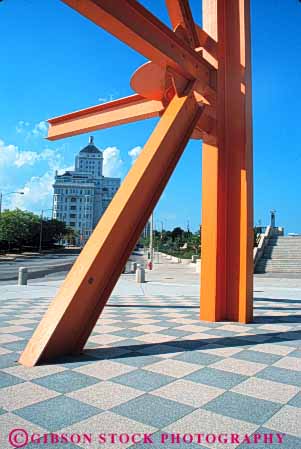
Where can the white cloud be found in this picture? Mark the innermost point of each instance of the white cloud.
(37, 193)
(21, 126)
(134, 153)
(112, 162)
(11, 156)
(40, 129)
(18, 172)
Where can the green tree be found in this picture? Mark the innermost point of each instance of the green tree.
(19, 229)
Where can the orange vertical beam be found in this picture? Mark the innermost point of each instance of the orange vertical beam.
(72, 315)
(227, 200)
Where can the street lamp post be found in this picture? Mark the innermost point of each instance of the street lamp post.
(9, 193)
(151, 245)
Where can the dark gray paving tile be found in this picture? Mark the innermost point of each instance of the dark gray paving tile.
(143, 380)
(296, 353)
(8, 360)
(127, 344)
(258, 357)
(198, 357)
(281, 375)
(138, 360)
(216, 378)
(296, 401)
(7, 380)
(221, 332)
(15, 345)
(26, 334)
(57, 413)
(175, 332)
(157, 412)
(66, 381)
(127, 333)
(243, 407)
(109, 353)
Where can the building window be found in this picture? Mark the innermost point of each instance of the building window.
(73, 200)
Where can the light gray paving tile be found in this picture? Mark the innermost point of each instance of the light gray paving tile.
(275, 327)
(239, 366)
(287, 420)
(8, 338)
(14, 329)
(155, 338)
(193, 328)
(105, 339)
(189, 393)
(174, 368)
(4, 351)
(235, 328)
(106, 329)
(271, 348)
(106, 395)
(266, 389)
(34, 372)
(149, 328)
(21, 321)
(223, 352)
(291, 363)
(24, 394)
(105, 369)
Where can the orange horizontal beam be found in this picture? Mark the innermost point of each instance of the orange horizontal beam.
(133, 24)
(113, 113)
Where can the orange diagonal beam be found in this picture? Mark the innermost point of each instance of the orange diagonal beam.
(133, 24)
(84, 293)
(180, 15)
(117, 112)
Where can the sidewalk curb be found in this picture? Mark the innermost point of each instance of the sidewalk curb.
(34, 273)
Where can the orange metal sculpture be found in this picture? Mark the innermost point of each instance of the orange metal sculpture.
(199, 82)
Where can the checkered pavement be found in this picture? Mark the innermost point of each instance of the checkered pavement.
(152, 366)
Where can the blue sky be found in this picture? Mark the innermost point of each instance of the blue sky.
(54, 61)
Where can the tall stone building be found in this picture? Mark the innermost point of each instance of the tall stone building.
(81, 196)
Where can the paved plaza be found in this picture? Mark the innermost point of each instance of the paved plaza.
(150, 366)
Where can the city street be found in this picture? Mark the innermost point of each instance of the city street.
(9, 268)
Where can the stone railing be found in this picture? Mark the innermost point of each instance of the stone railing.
(263, 241)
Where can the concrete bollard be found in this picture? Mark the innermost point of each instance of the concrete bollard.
(140, 275)
(23, 276)
(194, 258)
(134, 267)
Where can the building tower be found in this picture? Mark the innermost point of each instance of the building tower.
(81, 196)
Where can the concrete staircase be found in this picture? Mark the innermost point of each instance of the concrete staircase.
(281, 255)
